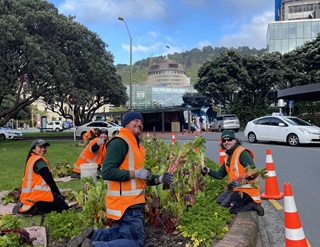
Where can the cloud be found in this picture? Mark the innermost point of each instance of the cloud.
(203, 43)
(252, 34)
(95, 10)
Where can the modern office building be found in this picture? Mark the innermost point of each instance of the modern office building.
(296, 22)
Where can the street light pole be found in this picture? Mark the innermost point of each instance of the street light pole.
(130, 87)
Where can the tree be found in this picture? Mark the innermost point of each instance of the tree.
(241, 83)
(46, 55)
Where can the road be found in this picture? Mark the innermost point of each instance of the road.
(299, 166)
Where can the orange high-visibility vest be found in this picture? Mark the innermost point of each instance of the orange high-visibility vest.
(237, 169)
(89, 135)
(86, 156)
(123, 194)
(34, 188)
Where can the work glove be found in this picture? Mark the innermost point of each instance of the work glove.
(142, 173)
(101, 141)
(205, 170)
(59, 198)
(234, 184)
(167, 178)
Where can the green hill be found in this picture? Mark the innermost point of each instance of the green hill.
(192, 59)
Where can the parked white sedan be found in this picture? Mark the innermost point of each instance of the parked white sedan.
(112, 128)
(290, 130)
(10, 134)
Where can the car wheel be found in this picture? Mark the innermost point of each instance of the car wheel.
(252, 137)
(2, 138)
(236, 130)
(57, 130)
(293, 140)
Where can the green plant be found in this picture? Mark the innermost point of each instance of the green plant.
(65, 224)
(11, 232)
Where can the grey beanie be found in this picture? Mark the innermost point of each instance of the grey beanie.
(131, 116)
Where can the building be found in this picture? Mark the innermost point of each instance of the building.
(296, 22)
(165, 86)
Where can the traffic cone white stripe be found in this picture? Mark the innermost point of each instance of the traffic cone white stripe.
(289, 204)
(295, 234)
(272, 173)
(269, 159)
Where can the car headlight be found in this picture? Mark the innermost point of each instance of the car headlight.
(304, 130)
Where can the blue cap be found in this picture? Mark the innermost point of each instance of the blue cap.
(131, 116)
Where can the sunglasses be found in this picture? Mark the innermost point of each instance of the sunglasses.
(227, 139)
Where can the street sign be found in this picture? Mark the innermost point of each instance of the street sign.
(290, 104)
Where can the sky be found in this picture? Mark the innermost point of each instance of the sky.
(161, 27)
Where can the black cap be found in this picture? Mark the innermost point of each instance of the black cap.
(39, 142)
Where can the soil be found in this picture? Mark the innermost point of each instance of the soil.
(155, 237)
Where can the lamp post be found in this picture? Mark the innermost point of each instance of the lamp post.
(130, 87)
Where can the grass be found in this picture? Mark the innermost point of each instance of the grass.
(13, 156)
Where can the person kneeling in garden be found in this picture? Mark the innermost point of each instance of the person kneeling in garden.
(94, 152)
(240, 197)
(125, 198)
(39, 193)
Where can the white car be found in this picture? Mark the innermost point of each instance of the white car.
(225, 122)
(290, 130)
(112, 129)
(10, 134)
(56, 126)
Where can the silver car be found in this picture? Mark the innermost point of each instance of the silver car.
(225, 122)
(113, 129)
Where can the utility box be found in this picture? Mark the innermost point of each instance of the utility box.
(175, 126)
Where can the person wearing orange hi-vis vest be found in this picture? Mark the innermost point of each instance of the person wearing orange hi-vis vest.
(126, 179)
(39, 192)
(94, 152)
(240, 197)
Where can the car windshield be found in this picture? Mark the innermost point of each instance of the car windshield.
(297, 121)
(230, 118)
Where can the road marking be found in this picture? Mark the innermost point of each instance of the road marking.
(275, 204)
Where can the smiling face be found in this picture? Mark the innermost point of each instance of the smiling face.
(40, 150)
(136, 126)
(228, 143)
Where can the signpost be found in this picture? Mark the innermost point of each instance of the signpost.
(73, 102)
(290, 106)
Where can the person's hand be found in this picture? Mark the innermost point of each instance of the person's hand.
(101, 141)
(205, 170)
(142, 173)
(167, 178)
(234, 184)
(59, 198)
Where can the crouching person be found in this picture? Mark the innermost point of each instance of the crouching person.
(126, 179)
(241, 198)
(39, 193)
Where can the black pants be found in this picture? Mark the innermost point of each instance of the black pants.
(236, 202)
(42, 207)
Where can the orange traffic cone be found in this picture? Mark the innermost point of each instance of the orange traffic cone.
(173, 139)
(222, 154)
(195, 136)
(271, 185)
(294, 232)
(148, 137)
